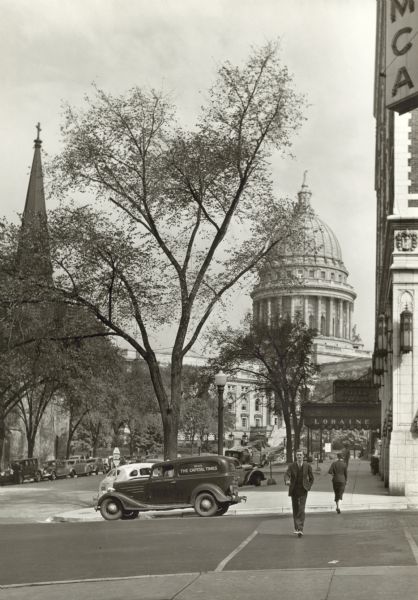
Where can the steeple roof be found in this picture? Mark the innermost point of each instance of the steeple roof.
(33, 256)
(35, 197)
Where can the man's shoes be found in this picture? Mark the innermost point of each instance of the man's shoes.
(338, 511)
(296, 531)
(300, 534)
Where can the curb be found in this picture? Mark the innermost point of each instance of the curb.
(284, 510)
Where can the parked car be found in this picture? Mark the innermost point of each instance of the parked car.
(251, 473)
(56, 468)
(26, 469)
(124, 473)
(7, 476)
(77, 466)
(96, 466)
(209, 484)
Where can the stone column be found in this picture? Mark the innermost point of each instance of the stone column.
(402, 399)
(340, 318)
(305, 309)
(269, 311)
(328, 316)
(318, 313)
(350, 320)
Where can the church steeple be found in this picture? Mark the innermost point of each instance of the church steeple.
(305, 194)
(34, 258)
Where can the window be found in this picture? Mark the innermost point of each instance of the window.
(243, 407)
(244, 422)
(257, 422)
(311, 273)
(276, 420)
(332, 276)
(322, 274)
(257, 407)
(311, 321)
(300, 273)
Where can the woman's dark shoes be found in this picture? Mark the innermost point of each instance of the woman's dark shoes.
(338, 510)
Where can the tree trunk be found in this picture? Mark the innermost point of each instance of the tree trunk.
(289, 445)
(2, 439)
(31, 445)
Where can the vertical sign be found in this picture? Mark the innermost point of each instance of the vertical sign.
(401, 70)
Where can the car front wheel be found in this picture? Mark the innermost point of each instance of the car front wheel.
(205, 505)
(111, 510)
(53, 476)
(38, 477)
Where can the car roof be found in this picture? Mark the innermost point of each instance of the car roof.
(129, 466)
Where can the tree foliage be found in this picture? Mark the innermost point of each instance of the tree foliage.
(173, 218)
(278, 357)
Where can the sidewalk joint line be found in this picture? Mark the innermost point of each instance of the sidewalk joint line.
(238, 549)
(186, 586)
(412, 543)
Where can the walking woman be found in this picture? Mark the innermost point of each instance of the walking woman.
(338, 470)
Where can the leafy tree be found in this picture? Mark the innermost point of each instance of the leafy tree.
(161, 241)
(199, 412)
(278, 356)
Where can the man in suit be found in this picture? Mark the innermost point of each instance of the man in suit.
(299, 478)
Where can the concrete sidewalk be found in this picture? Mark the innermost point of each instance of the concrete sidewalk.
(359, 583)
(364, 491)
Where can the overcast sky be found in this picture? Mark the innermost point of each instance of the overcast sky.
(52, 50)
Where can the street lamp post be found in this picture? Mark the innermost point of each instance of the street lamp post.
(220, 382)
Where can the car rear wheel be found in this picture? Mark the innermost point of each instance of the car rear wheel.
(111, 509)
(222, 509)
(38, 477)
(20, 478)
(72, 473)
(205, 505)
(128, 515)
(53, 476)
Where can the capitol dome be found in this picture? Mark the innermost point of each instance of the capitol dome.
(311, 281)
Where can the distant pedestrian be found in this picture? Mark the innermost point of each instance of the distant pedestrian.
(346, 454)
(338, 470)
(299, 478)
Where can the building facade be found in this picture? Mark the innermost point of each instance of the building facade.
(396, 184)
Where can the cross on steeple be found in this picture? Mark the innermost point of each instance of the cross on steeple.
(38, 128)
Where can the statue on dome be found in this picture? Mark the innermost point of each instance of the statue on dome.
(355, 337)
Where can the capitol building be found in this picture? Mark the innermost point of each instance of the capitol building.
(314, 282)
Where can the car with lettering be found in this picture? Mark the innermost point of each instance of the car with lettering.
(209, 484)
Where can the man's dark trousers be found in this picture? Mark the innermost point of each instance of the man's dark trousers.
(298, 508)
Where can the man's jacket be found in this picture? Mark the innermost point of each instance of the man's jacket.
(291, 474)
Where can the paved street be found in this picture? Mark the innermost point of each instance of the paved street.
(358, 554)
(96, 551)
